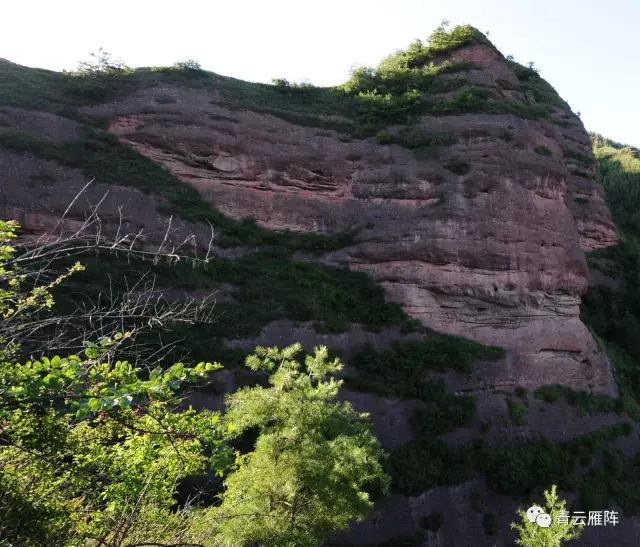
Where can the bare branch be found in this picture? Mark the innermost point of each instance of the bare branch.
(141, 307)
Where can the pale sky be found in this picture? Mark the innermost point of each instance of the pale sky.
(589, 50)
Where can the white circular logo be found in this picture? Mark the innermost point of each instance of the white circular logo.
(533, 512)
(543, 520)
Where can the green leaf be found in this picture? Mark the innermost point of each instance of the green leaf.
(94, 403)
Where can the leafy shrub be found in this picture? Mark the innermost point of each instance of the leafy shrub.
(189, 65)
(444, 413)
(543, 151)
(383, 137)
(579, 157)
(400, 371)
(618, 481)
(426, 463)
(540, 90)
(532, 535)
(517, 412)
(521, 392)
(309, 455)
(587, 402)
(268, 285)
(515, 470)
(549, 393)
(458, 166)
(280, 83)
(416, 139)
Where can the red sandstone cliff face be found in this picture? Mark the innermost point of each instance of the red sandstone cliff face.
(496, 254)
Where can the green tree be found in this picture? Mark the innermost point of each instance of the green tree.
(313, 462)
(92, 449)
(530, 534)
(102, 63)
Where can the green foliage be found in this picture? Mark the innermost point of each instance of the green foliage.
(581, 200)
(432, 521)
(101, 63)
(481, 100)
(619, 168)
(521, 392)
(268, 285)
(85, 438)
(543, 151)
(426, 463)
(383, 137)
(550, 393)
(401, 371)
(400, 90)
(313, 460)
(95, 79)
(443, 413)
(617, 480)
(280, 82)
(517, 412)
(92, 447)
(532, 535)
(515, 470)
(535, 87)
(587, 402)
(189, 65)
(579, 157)
(458, 166)
(416, 139)
(613, 312)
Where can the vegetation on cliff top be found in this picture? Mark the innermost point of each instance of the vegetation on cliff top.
(403, 87)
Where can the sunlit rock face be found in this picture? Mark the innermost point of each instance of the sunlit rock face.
(495, 254)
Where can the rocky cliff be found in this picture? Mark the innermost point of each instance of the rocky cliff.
(455, 178)
(483, 237)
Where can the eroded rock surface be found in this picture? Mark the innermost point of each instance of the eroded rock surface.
(496, 254)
